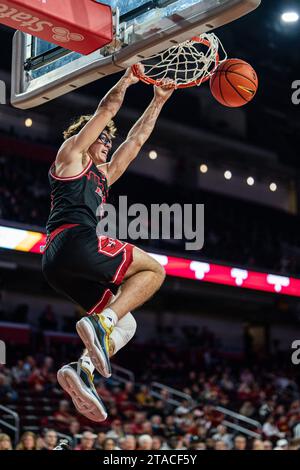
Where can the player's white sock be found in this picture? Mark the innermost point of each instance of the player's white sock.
(123, 332)
(110, 315)
(87, 363)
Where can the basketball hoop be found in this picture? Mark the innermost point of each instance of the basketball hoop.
(188, 64)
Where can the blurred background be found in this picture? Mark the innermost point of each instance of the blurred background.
(210, 366)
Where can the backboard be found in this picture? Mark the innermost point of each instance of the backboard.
(42, 71)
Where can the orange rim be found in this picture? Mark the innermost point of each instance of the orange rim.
(151, 81)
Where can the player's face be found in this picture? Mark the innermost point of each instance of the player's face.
(101, 148)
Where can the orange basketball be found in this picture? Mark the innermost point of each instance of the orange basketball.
(234, 83)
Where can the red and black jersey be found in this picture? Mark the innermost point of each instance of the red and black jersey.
(77, 199)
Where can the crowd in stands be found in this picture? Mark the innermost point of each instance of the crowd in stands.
(266, 392)
(24, 193)
(48, 320)
(263, 237)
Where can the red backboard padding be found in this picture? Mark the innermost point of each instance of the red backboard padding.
(79, 25)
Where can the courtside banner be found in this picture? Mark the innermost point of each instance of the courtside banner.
(79, 25)
(202, 271)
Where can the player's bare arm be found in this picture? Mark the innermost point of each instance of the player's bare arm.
(72, 155)
(137, 136)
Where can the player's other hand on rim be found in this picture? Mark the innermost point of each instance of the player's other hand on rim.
(165, 89)
(130, 76)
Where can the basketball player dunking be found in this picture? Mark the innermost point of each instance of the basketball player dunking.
(89, 269)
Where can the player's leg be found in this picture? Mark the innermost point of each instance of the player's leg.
(107, 262)
(77, 378)
(140, 280)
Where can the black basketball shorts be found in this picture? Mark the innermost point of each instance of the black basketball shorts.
(84, 267)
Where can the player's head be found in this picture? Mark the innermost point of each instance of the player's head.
(99, 150)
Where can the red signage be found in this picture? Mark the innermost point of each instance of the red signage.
(202, 271)
(79, 25)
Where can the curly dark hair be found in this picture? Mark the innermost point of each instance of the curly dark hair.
(81, 121)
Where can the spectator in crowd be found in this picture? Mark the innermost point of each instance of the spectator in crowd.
(6, 390)
(19, 373)
(269, 428)
(176, 443)
(170, 426)
(87, 441)
(144, 398)
(268, 445)
(221, 445)
(240, 443)
(258, 445)
(100, 439)
(129, 443)
(223, 435)
(145, 442)
(74, 427)
(29, 365)
(5, 442)
(294, 444)
(62, 416)
(109, 444)
(50, 440)
(247, 409)
(40, 443)
(157, 425)
(116, 430)
(37, 380)
(282, 444)
(147, 428)
(197, 443)
(27, 441)
(297, 430)
(183, 408)
(156, 443)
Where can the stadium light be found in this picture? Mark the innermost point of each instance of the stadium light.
(203, 168)
(153, 154)
(290, 17)
(228, 175)
(28, 122)
(250, 181)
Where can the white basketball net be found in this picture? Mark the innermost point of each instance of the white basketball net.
(185, 63)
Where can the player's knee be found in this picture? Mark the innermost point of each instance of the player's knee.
(131, 326)
(127, 327)
(160, 272)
